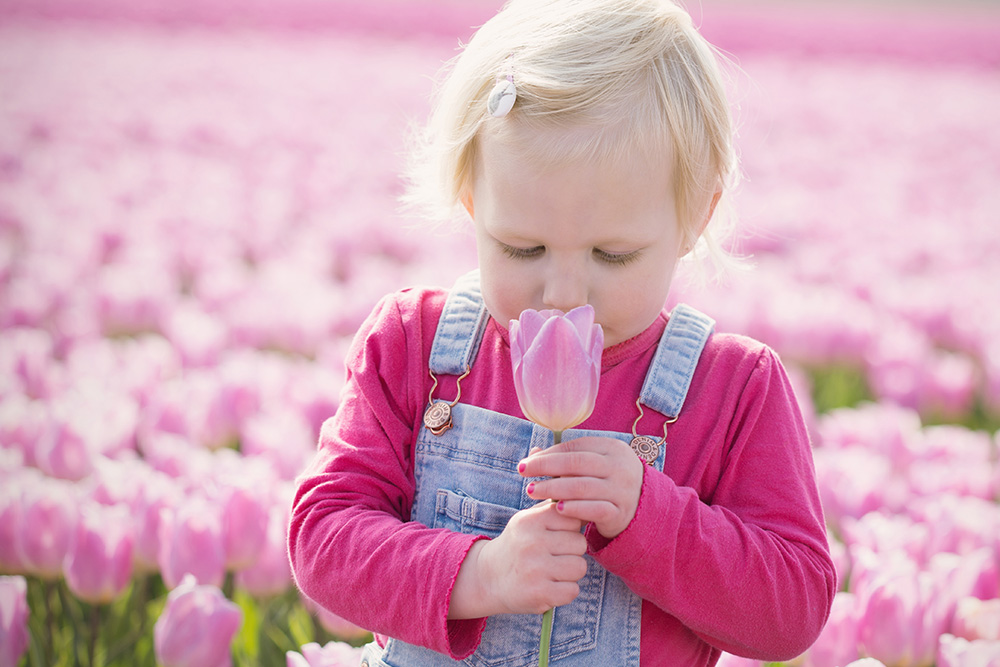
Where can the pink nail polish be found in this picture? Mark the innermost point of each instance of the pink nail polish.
(521, 467)
(531, 488)
(559, 506)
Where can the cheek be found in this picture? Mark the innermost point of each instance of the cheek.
(500, 290)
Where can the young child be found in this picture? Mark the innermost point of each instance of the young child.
(588, 188)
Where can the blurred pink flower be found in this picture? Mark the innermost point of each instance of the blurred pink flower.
(852, 480)
(271, 574)
(13, 620)
(977, 619)
(730, 660)
(891, 625)
(64, 452)
(841, 558)
(333, 654)
(99, 564)
(158, 493)
(191, 542)
(282, 438)
(958, 652)
(556, 360)
(26, 355)
(22, 422)
(49, 514)
(959, 524)
(883, 532)
(838, 642)
(197, 627)
(244, 526)
(11, 519)
(198, 337)
(339, 627)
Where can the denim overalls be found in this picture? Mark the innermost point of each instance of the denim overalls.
(467, 481)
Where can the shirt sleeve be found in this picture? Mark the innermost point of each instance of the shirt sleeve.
(351, 545)
(746, 565)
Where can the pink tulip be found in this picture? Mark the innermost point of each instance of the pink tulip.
(99, 565)
(157, 494)
(556, 360)
(730, 660)
(838, 642)
(891, 625)
(333, 654)
(197, 627)
(244, 527)
(957, 652)
(270, 574)
(11, 519)
(339, 627)
(282, 438)
(977, 619)
(64, 452)
(49, 515)
(191, 543)
(13, 620)
(22, 422)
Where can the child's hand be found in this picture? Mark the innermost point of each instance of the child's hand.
(531, 567)
(594, 479)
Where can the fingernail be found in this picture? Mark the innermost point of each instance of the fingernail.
(559, 506)
(531, 488)
(521, 467)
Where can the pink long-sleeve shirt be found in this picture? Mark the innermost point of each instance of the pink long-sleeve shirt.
(727, 548)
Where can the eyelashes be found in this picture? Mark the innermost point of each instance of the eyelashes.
(616, 258)
(522, 253)
(611, 258)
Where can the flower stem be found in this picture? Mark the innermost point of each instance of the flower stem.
(543, 645)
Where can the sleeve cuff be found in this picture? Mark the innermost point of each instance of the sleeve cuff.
(464, 635)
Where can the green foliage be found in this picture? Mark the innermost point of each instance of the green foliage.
(66, 632)
(839, 386)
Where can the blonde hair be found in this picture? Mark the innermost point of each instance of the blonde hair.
(635, 71)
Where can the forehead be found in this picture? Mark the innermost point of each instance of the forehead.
(550, 144)
(529, 182)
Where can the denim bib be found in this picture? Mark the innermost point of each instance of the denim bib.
(467, 481)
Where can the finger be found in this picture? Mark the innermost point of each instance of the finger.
(568, 568)
(589, 511)
(567, 543)
(563, 463)
(559, 593)
(572, 488)
(555, 521)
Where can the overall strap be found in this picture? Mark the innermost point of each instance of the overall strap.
(669, 376)
(461, 327)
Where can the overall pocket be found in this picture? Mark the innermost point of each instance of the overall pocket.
(512, 639)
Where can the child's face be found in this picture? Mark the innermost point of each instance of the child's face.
(563, 234)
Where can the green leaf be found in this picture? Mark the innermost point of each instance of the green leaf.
(300, 625)
(247, 640)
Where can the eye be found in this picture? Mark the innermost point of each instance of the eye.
(522, 253)
(616, 258)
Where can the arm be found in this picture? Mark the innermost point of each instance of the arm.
(744, 564)
(746, 567)
(351, 547)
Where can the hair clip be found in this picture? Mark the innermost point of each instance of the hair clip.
(504, 93)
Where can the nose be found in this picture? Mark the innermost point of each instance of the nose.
(565, 288)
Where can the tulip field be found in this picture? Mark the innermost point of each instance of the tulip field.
(198, 207)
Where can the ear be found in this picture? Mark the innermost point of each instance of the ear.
(689, 245)
(466, 200)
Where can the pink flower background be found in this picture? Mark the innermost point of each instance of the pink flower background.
(198, 207)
